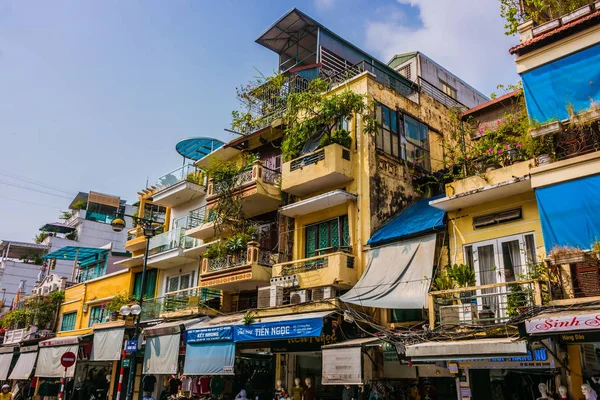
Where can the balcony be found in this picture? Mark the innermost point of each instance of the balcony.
(171, 249)
(135, 240)
(334, 269)
(575, 279)
(181, 303)
(179, 186)
(201, 224)
(325, 168)
(493, 185)
(484, 305)
(246, 270)
(258, 186)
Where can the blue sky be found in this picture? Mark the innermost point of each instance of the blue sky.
(94, 95)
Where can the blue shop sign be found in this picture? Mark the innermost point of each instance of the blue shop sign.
(213, 334)
(300, 328)
(131, 346)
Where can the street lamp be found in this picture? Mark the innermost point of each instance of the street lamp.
(149, 227)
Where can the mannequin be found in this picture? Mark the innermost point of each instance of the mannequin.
(297, 390)
(278, 388)
(310, 393)
(562, 393)
(588, 392)
(543, 391)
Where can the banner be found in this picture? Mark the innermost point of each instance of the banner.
(213, 334)
(299, 328)
(563, 322)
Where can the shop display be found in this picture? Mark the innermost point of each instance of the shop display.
(310, 393)
(543, 391)
(297, 390)
(588, 393)
(278, 388)
(562, 393)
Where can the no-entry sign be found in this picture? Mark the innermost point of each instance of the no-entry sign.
(68, 359)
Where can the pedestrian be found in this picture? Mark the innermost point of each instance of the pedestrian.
(241, 395)
(5, 394)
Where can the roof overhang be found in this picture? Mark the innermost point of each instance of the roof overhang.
(131, 262)
(72, 253)
(18, 249)
(466, 349)
(313, 204)
(285, 30)
(222, 154)
(197, 148)
(57, 227)
(483, 195)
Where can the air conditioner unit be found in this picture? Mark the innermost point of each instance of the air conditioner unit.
(458, 314)
(271, 296)
(322, 293)
(299, 296)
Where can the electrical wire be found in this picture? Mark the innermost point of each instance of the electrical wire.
(29, 180)
(34, 190)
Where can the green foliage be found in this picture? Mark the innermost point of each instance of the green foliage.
(34, 258)
(237, 243)
(215, 250)
(340, 136)
(443, 281)
(310, 112)
(40, 311)
(65, 215)
(194, 177)
(248, 318)
(40, 237)
(118, 301)
(517, 298)
(539, 11)
(462, 275)
(79, 205)
(71, 235)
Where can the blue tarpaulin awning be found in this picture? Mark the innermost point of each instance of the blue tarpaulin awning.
(416, 220)
(569, 213)
(72, 253)
(216, 358)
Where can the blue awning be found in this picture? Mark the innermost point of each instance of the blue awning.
(281, 328)
(209, 358)
(570, 213)
(72, 253)
(416, 220)
(197, 148)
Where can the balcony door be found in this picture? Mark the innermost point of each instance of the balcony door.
(499, 261)
(327, 237)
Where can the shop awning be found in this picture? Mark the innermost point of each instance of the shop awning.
(108, 344)
(215, 358)
(281, 327)
(396, 275)
(171, 328)
(416, 220)
(24, 366)
(342, 362)
(361, 342)
(5, 360)
(160, 355)
(316, 203)
(569, 213)
(51, 350)
(464, 349)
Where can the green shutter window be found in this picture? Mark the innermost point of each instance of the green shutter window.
(97, 315)
(150, 290)
(311, 241)
(137, 285)
(345, 232)
(335, 233)
(323, 236)
(68, 322)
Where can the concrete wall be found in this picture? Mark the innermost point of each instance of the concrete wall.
(12, 274)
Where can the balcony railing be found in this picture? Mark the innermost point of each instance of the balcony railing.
(575, 141)
(256, 172)
(486, 304)
(188, 173)
(193, 300)
(169, 240)
(252, 255)
(391, 80)
(575, 277)
(316, 262)
(437, 94)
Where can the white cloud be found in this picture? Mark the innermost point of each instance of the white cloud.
(465, 36)
(324, 4)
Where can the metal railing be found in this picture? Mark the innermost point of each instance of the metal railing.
(391, 80)
(175, 238)
(193, 300)
(187, 172)
(316, 262)
(308, 159)
(228, 261)
(242, 178)
(198, 216)
(580, 280)
(486, 304)
(574, 141)
(433, 91)
(271, 176)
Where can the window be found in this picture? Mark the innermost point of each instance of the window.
(448, 90)
(415, 144)
(403, 137)
(327, 236)
(175, 283)
(98, 315)
(501, 217)
(157, 213)
(68, 321)
(405, 71)
(150, 290)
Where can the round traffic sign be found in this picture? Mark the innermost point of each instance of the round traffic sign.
(68, 359)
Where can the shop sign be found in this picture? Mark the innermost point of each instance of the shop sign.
(303, 344)
(214, 334)
(131, 346)
(536, 359)
(342, 366)
(301, 328)
(126, 363)
(563, 323)
(583, 337)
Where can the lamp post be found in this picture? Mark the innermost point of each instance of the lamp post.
(149, 229)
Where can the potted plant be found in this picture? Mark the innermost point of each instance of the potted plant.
(114, 305)
(236, 244)
(566, 255)
(463, 276)
(596, 248)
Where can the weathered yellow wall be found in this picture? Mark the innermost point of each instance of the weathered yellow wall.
(494, 177)
(100, 288)
(460, 224)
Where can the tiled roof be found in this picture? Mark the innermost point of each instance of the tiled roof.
(490, 103)
(554, 34)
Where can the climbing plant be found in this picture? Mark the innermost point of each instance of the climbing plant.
(37, 310)
(515, 12)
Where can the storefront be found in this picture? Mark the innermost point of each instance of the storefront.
(577, 337)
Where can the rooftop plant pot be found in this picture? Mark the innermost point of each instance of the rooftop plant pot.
(543, 159)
